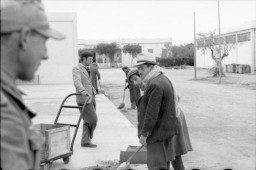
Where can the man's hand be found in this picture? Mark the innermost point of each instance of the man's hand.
(126, 87)
(83, 93)
(143, 140)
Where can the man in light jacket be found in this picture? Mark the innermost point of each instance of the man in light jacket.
(83, 85)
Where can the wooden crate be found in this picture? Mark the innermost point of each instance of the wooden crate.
(57, 140)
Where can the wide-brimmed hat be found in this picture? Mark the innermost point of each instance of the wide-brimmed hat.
(18, 14)
(131, 73)
(146, 58)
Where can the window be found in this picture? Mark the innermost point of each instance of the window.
(230, 39)
(150, 50)
(218, 41)
(209, 42)
(244, 37)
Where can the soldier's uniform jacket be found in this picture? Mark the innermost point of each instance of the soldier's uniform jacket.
(20, 142)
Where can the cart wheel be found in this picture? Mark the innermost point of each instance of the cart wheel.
(66, 160)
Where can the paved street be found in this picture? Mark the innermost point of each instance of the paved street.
(114, 133)
(220, 118)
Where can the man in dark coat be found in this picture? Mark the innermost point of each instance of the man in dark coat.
(157, 121)
(133, 89)
(95, 76)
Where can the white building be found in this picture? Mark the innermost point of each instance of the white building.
(243, 52)
(154, 46)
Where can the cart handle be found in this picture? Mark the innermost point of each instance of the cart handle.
(79, 120)
(61, 106)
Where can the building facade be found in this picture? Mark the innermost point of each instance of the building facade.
(155, 46)
(243, 52)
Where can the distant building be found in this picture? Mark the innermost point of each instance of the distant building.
(243, 52)
(155, 46)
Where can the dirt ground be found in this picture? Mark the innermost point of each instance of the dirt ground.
(220, 117)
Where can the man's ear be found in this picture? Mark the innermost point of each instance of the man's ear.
(24, 37)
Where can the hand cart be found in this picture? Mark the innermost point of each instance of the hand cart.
(60, 131)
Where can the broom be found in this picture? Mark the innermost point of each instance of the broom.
(102, 91)
(122, 104)
(126, 165)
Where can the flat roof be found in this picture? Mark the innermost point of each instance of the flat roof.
(127, 41)
(244, 26)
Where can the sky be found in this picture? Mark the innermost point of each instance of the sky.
(114, 19)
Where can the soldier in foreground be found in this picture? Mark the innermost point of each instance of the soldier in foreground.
(24, 33)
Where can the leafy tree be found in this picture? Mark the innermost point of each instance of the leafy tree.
(184, 50)
(107, 49)
(210, 41)
(132, 49)
(168, 49)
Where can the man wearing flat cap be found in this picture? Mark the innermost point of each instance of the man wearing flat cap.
(134, 90)
(157, 121)
(24, 33)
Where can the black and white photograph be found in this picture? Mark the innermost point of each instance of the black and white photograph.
(128, 85)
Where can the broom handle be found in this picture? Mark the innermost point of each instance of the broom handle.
(99, 84)
(130, 158)
(123, 95)
(124, 90)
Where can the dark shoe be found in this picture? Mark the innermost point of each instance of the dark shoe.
(89, 145)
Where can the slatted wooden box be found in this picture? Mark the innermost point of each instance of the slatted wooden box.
(57, 140)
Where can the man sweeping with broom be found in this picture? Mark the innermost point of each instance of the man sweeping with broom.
(133, 89)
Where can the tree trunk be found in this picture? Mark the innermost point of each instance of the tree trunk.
(131, 59)
(111, 58)
(216, 70)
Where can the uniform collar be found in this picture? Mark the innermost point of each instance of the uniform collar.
(9, 86)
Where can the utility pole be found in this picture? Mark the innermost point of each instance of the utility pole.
(220, 64)
(195, 44)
